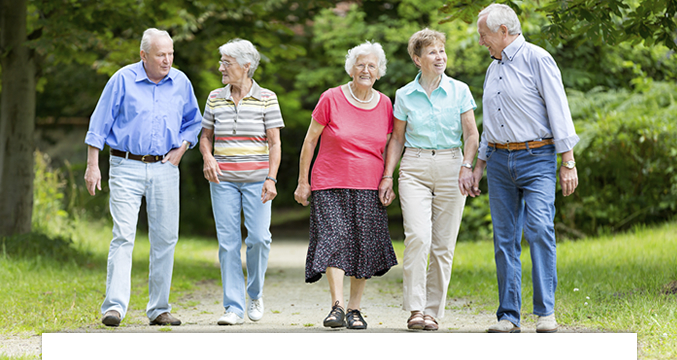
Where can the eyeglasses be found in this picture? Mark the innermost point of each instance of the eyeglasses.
(361, 67)
(224, 63)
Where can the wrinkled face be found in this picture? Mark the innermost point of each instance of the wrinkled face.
(365, 71)
(158, 60)
(494, 41)
(231, 71)
(433, 59)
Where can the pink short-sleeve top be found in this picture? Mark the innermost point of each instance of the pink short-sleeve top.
(352, 143)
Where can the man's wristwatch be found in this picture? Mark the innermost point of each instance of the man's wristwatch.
(569, 164)
(467, 165)
(187, 143)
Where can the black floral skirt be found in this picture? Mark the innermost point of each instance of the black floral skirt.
(349, 231)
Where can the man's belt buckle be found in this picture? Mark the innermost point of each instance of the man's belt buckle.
(151, 157)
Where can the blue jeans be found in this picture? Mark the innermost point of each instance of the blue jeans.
(522, 198)
(229, 199)
(129, 181)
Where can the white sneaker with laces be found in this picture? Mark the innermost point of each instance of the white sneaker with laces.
(255, 309)
(229, 318)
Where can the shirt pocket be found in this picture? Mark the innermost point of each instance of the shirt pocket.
(449, 120)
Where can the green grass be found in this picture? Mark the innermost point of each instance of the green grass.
(614, 283)
(41, 294)
(623, 279)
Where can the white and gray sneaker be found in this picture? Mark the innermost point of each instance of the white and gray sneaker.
(503, 326)
(230, 318)
(255, 309)
(546, 324)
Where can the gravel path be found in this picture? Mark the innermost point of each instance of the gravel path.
(291, 306)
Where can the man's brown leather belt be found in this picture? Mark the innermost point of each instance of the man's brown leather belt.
(142, 158)
(523, 145)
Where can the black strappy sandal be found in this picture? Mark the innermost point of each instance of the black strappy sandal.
(354, 316)
(336, 317)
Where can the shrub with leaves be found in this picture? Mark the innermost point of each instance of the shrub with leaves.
(626, 159)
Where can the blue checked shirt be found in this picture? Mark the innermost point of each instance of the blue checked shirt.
(137, 115)
(524, 100)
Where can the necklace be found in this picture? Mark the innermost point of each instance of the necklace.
(350, 88)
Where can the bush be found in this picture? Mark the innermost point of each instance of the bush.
(625, 160)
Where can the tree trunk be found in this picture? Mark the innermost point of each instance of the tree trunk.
(17, 120)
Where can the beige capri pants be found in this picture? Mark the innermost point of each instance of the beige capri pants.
(432, 207)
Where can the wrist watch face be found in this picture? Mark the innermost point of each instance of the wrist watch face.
(569, 164)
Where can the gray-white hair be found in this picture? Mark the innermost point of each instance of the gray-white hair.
(149, 35)
(367, 48)
(499, 14)
(244, 53)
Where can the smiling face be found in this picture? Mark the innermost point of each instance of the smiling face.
(495, 42)
(365, 71)
(433, 59)
(159, 58)
(231, 71)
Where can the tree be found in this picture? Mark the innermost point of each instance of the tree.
(17, 114)
(599, 21)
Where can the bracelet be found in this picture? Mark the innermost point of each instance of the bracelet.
(272, 179)
(466, 165)
(387, 177)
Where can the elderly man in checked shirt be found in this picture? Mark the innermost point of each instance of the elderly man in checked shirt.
(149, 116)
(526, 124)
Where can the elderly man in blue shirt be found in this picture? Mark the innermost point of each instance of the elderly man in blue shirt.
(148, 115)
(526, 124)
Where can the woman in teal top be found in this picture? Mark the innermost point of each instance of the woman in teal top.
(431, 114)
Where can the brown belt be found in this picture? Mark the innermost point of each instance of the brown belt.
(142, 158)
(523, 145)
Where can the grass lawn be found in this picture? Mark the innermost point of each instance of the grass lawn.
(615, 283)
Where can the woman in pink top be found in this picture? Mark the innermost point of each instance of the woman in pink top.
(348, 223)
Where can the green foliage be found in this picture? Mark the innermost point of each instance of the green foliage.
(625, 159)
(48, 197)
(600, 22)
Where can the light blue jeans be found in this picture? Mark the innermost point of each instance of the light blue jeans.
(129, 181)
(522, 197)
(229, 200)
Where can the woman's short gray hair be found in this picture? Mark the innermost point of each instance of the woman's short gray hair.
(244, 53)
(367, 48)
(148, 37)
(499, 14)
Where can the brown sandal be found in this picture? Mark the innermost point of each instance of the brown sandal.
(430, 323)
(416, 321)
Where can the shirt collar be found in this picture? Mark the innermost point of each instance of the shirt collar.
(141, 73)
(511, 50)
(254, 92)
(444, 84)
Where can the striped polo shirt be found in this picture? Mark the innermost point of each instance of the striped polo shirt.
(240, 141)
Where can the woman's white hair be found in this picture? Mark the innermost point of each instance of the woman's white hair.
(149, 35)
(367, 48)
(244, 53)
(499, 14)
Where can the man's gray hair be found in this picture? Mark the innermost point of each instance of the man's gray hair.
(244, 53)
(499, 14)
(367, 48)
(149, 35)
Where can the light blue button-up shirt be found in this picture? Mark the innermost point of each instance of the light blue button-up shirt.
(433, 122)
(137, 115)
(524, 100)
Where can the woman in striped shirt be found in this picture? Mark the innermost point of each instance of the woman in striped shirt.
(241, 148)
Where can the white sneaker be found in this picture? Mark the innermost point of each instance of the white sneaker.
(503, 326)
(546, 324)
(229, 318)
(255, 309)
